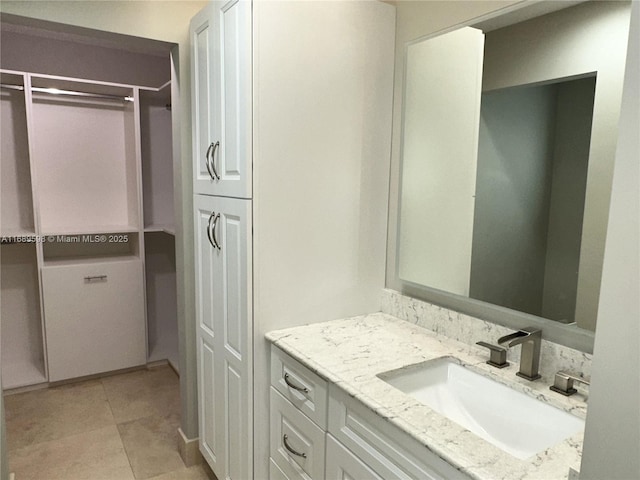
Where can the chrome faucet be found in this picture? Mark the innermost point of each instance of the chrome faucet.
(531, 340)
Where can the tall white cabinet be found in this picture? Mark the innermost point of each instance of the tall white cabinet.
(291, 120)
(222, 84)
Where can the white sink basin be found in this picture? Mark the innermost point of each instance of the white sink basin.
(511, 420)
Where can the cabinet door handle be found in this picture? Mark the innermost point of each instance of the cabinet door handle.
(213, 160)
(291, 450)
(294, 386)
(95, 277)
(210, 160)
(211, 230)
(207, 161)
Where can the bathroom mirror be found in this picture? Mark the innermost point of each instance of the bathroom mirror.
(508, 144)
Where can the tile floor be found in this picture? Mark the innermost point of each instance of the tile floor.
(122, 427)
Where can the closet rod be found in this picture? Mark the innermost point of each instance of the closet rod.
(57, 91)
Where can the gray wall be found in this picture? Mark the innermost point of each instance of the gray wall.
(590, 37)
(33, 52)
(515, 162)
(533, 157)
(612, 436)
(574, 116)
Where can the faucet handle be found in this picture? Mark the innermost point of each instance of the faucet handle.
(563, 383)
(497, 355)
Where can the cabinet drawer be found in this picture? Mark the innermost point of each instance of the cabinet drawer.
(94, 317)
(292, 431)
(274, 471)
(306, 390)
(386, 449)
(342, 464)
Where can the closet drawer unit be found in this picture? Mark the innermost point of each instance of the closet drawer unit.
(297, 444)
(306, 390)
(387, 450)
(94, 317)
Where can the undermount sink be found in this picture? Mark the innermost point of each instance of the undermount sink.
(513, 421)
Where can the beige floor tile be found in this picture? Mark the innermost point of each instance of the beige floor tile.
(45, 415)
(197, 472)
(143, 393)
(151, 445)
(95, 455)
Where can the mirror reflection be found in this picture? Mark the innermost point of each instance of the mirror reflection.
(508, 146)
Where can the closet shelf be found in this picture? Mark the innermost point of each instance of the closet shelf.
(86, 260)
(18, 232)
(92, 230)
(21, 374)
(169, 229)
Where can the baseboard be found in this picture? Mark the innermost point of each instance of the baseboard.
(189, 449)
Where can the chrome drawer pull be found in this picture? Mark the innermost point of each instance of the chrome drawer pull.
(291, 450)
(210, 160)
(295, 387)
(211, 168)
(211, 230)
(95, 277)
(213, 160)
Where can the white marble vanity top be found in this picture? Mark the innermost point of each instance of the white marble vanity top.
(351, 352)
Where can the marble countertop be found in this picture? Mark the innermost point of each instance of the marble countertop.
(351, 353)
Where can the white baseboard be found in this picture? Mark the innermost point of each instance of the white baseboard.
(189, 449)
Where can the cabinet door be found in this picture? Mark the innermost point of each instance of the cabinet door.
(221, 85)
(344, 465)
(224, 334)
(94, 317)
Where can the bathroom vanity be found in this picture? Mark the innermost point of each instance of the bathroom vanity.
(334, 413)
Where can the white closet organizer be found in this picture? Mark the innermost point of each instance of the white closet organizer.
(159, 241)
(86, 192)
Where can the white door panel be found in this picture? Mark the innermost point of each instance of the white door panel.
(224, 316)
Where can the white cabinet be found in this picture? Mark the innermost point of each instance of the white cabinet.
(293, 92)
(297, 444)
(384, 448)
(221, 82)
(356, 442)
(224, 334)
(344, 465)
(304, 389)
(94, 316)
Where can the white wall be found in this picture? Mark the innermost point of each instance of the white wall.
(416, 19)
(612, 436)
(323, 78)
(440, 149)
(166, 21)
(590, 37)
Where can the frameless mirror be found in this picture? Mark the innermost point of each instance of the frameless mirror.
(508, 145)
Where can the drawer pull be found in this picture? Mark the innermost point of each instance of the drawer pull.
(95, 277)
(292, 385)
(211, 230)
(291, 450)
(210, 161)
